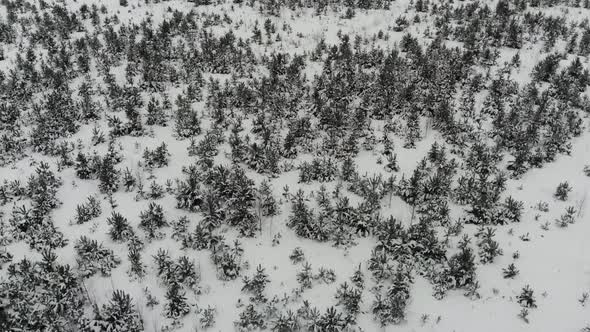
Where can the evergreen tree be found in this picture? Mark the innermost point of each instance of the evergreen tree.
(55, 285)
(88, 211)
(120, 229)
(155, 114)
(349, 298)
(250, 319)
(187, 122)
(267, 204)
(93, 257)
(87, 106)
(129, 180)
(108, 175)
(118, 315)
(82, 167)
(152, 220)
(256, 285)
(510, 272)
(348, 170)
(176, 306)
(137, 268)
(526, 298)
(562, 191)
(488, 247)
(462, 265)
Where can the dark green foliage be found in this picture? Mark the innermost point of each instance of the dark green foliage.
(42, 189)
(297, 255)
(286, 323)
(187, 122)
(182, 272)
(511, 211)
(93, 258)
(120, 229)
(119, 314)
(250, 320)
(152, 220)
(55, 285)
(37, 230)
(462, 265)
(137, 268)
(275, 115)
(189, 194)
(302, 220)
(348, 170)
(35, 225)
(129, 180)
(88, 107)
(562, 191)
(5, 257)
(256, 285)
(155, 113)
(176, 306)
(526, 298)
(82, 166)
(108, 175)
(392, 307)
(157, 158)
(207, 318)
(358, 278)
(510, 272)
(56, 117)
(305, 277)
(88, 211)
(267, 204)
(228, 260)
(488, 247)
(546, 68)
(332, 321)
(349, 298)
(239, 193)
(322, 170)
(569, 217)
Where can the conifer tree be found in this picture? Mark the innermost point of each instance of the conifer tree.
(256, 285)
(152, 220)
(176, 306)
(108, 175)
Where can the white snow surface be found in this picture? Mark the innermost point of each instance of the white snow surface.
(555, 262)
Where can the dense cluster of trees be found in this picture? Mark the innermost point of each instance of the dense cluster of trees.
(266, 115)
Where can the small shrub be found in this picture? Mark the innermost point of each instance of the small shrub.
(527, 298)
(93, 257)
(88, 211)
(297, 256)
(562, 191)
(510, 272)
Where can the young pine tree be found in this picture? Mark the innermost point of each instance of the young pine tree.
(152, 220)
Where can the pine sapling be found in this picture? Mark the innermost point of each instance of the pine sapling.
(526, 298)
(305, 277)
(562, 191)
(326, 276)
(349, 298)
(256, 285)
(207, 317)
(297, 256)
(584, 299)
(176, 306)
(524, 315)
(358, 278)
(137, 268)
(510, 271)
